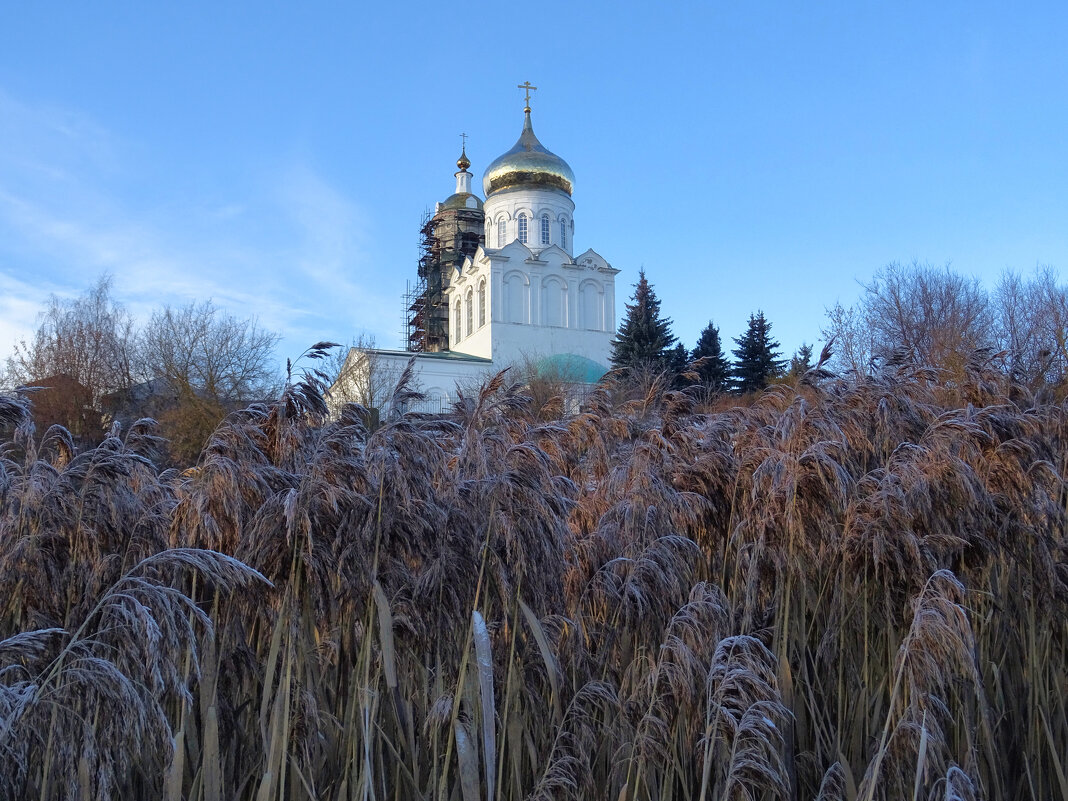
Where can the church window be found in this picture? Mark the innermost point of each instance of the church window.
(523, 228)
(457, 333)
(502, 232)
(545, 229)
(470, 312)
(563, 234)
(481, 303)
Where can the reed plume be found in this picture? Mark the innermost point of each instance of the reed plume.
(656, 597)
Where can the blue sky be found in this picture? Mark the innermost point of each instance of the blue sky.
(749, 155)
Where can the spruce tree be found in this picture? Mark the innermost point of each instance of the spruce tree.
(757, 356)
(644, 336)
(715, 372)
(801, 362)
(678, 360)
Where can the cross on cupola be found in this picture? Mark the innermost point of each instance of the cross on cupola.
(526, 86)
(463, 162)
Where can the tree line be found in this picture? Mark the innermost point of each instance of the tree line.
(909, 314)
(935, 317)
(88, 367)
(91, 366)
(645, 342)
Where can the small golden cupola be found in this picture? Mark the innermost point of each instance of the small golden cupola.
(463, 197)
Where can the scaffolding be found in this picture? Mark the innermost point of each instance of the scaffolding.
(444, 240)
(426, 318)
(413, 333)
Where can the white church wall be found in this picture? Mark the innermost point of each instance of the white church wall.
(540, 304)
(516, 344)
(554, 305)
(516, 306)
(591, 305)
(435, 376)
(439, 378)
(470, 281)
(507, 204)
(478, 343)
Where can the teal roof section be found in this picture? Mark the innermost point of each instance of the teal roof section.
(570, 367)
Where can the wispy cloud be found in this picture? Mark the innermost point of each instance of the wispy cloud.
(287, 246)
(19, 307)
(331, 258)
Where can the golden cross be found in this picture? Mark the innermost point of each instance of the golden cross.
(463, 137)
(526, 86)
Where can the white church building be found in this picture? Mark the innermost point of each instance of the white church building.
(521, 298)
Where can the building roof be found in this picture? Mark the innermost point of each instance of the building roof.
(571, 367)
(460, 200)
(448, 355)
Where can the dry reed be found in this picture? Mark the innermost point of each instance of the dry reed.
(841, 590)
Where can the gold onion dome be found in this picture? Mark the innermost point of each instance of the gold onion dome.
(529, 163)
(463, 162)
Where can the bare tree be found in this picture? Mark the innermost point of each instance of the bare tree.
(83, 350)
(1032, 328)
(852, 337)
(205, 363)
(362, 374)
(938, 316)
(933, 316)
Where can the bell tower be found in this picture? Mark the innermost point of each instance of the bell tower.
(453, 232)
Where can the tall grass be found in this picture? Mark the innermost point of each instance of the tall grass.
(842, 590)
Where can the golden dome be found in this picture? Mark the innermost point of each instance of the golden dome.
(463, 162)
(529, 163)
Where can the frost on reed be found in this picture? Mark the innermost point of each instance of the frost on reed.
(842, 590)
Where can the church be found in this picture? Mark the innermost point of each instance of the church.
(499, 286)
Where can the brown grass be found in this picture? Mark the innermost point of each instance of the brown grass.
(847, 590)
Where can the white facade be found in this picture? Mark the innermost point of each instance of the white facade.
(437, 376)
(549, 219)
(526, 304)
(522, 299)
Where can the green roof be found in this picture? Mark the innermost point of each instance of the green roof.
(571, 367)
(448, 355)
(459, 201)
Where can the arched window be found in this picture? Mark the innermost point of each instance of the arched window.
(502, 232)
(482, 303)
(523, 228)
(545, 229)
(563, 234)
(470, 312)
(457, 332)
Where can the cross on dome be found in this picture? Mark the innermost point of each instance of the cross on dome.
(463, 162)
(526, 86)
(529, 163)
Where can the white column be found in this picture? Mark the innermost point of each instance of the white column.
(535, 298)
(496, 296)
